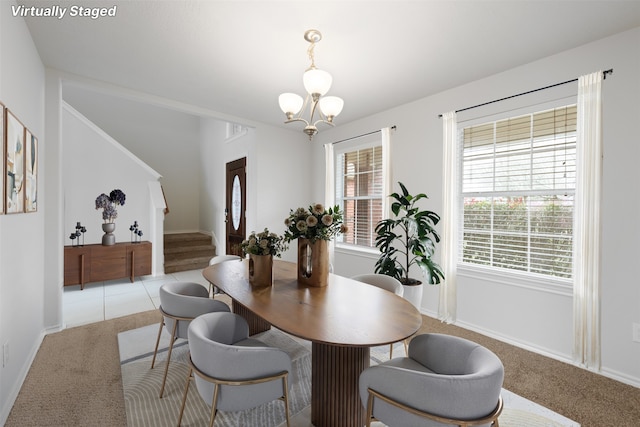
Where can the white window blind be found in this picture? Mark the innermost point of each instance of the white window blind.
(359, 187)
(517, 192)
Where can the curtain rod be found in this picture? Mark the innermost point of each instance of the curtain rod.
(604, 76)
(359, 136)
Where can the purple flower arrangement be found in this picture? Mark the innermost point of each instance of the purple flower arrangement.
(108, 204)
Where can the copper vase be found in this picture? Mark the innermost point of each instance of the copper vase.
(261, 270)
(313, 262)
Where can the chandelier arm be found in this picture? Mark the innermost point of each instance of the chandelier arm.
(297, 119)
(323, 121)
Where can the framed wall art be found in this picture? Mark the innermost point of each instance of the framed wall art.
(14, 165)
(31, 172)
(2, 155)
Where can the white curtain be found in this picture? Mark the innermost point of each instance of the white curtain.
(586, 248)
(387, 181)
(447, 303)
(329, 192)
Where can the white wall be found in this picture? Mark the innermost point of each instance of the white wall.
(94, 163)
(22, 81)
(520, 314)
(166, 139)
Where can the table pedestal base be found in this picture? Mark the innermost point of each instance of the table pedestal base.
(335, 371)
(256, 323)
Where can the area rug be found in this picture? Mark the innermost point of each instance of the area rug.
(144, 408)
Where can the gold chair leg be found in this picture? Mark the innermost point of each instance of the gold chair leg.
(166, 368)
(184, 397)
(390, 351)
(285, 384)
(153, 361)
(369, 409)
(406, 347)
(214, 403)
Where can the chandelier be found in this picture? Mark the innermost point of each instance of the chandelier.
(317, 83)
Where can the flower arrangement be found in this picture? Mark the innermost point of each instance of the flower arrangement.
(108, 204)
(315, 223)
(264, 243)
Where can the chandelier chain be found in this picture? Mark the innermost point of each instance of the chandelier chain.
(311, 56)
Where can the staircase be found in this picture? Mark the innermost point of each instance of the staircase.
(187, 251)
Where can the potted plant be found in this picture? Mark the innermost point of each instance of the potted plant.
(408, 239)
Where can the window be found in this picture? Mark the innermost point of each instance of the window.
(518, 179)
(359, 186)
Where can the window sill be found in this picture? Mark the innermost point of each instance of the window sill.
(516, 278)
(371, 253)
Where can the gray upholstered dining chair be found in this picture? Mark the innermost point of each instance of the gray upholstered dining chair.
(216, 260)
(445, 380)
(181, 302)
(233, 372)
(387, 283)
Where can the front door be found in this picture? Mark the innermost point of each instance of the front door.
(235, 205)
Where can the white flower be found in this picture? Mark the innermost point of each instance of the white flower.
(312, 221)
(318, 209)
(301, 225)
(327, 220)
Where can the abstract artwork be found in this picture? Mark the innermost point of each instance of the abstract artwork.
(31, 174)
(2, 161)
(14, 188)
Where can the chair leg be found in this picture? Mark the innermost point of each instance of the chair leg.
(214, 403)
(166, 368)
(285, 385)
(390, 351)
(153, 361)
(184, 397)
(406, 347)
(369, 409)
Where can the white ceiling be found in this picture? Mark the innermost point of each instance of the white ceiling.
(236, 57)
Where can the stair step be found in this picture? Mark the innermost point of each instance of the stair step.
(187, 251)
(187, 264)
(186, 239)
(190, 249)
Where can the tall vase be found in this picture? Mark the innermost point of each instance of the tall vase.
(108, 238)
(261, 270)
(313, 262)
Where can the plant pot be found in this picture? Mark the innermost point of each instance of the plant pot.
(413, 294)
(108, 238)
(313, 262)
(261, 270)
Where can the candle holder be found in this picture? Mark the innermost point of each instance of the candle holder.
(136, 233)
(80, 230)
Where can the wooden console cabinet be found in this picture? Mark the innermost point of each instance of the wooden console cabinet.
(96, 263)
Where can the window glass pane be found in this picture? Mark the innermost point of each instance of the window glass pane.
(359, 192)
(518, 181)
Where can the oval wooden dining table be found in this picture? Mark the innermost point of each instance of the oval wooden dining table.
(342, 320)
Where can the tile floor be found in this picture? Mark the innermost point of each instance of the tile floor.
(116, 298)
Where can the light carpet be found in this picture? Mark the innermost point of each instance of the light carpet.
(144, 408)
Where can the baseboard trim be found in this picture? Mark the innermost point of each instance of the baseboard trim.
(17, 386)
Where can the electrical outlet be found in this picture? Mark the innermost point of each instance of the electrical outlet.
(636, 332)
(5, 354)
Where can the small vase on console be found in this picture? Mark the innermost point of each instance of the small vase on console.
(108, 238)
(313, 262)
(261, 270)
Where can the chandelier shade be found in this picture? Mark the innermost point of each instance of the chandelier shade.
(317, 83)
(331, 106)
(290, 103)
